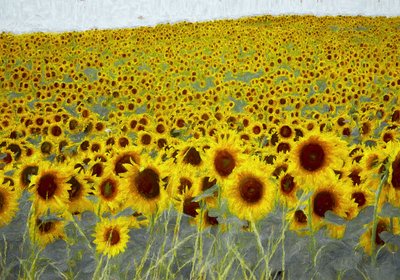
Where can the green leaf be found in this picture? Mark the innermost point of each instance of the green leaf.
(332, 218)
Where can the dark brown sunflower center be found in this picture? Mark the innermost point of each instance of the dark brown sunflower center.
(206, 183)
(381, 227)
(312, 157)
(112, 236)
(287, 184)
(76, 189)
(396, 173)
(355, 177)
(224, 163)
(323, 202)
(185, 184)
(285, 131)
(28, 171)
(97, 169)
(251, 189)
(47, 186)
(148, 183)
(283, 147)
(44, 227)
(124, 159)
(192, 157)
(359, 198)
(211, 220)
(190, 207)
(300, 217)
(108, 188)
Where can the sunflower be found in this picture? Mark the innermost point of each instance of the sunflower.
(121, 156)
(8, 203)
(43, 231)
(288, 188)
(372, 164)
(224, 155)
(383, 224)
(111, 236)
(182, 179)
(145, 185)
(250, 194)
(393, 189)
(190, 152)
(50, 187)
(25, 171)
(205, 220)
(363, 197)
(111, 191)
(298, 221)
(78, 194)
(330, 194)
(183, 187)
(316, 156)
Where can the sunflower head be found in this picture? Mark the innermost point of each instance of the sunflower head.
(249, 193)
(112, 236)
(50, 187)
(316, 156)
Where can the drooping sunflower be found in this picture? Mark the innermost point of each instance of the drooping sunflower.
(122, 156)
(8, 203)
(43, 232)
(78, 194)
(190, 152)
(316, 156)
(145, 185)
(112, 236)
(383, 224)
(373, 165)
(50, 188)
(25, 171)
(363, 197)
(183, 187)
(250, 194)
(287, 189)
(298, 221)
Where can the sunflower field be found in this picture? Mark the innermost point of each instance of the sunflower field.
(258, 148)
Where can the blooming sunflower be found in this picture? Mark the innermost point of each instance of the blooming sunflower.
(224, 155)
(111, 192)
(8, 203)
(250, 194)
(112, 236)
(316, 156)
(145, 185)
(332, 194)
(393, 189)
(43, 232)
(50, 187)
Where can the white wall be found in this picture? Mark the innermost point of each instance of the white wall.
(61, 15)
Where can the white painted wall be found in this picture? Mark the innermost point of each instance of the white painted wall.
(20, 16)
